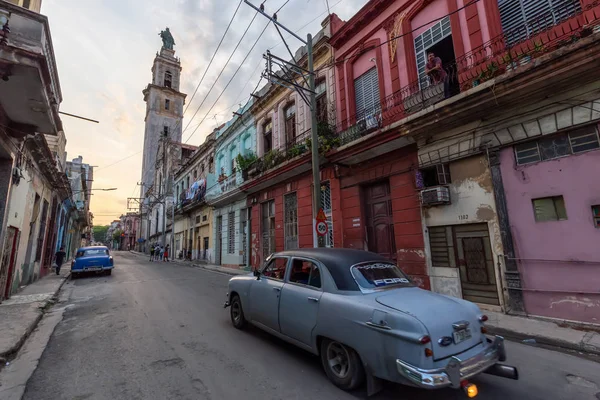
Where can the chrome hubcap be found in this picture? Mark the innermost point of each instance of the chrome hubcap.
(338, 359)
(236, 311)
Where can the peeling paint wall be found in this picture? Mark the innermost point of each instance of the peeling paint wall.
(472, 202)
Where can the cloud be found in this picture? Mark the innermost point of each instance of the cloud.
(105, 49)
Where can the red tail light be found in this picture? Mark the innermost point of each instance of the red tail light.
(483, 318)
(424, 339)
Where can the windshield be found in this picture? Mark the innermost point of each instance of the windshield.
(378, 275)
(92, 252)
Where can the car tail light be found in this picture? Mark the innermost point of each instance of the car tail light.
(483, 329)
(483, 318)
(428, 353)
(424, 339)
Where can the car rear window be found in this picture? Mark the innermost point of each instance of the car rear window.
(92, 252)
(378, 275)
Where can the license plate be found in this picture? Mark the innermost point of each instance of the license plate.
(462, 335)
(93, 269)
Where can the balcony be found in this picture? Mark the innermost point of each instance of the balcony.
(226, 189)
(512, 52)
(29, 87)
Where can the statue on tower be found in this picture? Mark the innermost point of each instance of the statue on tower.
(167, 39)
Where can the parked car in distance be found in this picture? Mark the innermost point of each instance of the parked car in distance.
(92, 259)
(366, 320)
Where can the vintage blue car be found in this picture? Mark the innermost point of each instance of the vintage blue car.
(92, 259)
(366, 320)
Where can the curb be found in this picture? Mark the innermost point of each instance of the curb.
(7, 355)
(193, 265)
(580, 347)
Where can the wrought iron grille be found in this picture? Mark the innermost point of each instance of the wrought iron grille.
(291, 221)
(231, 233)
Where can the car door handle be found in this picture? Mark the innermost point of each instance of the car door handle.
(313, 299)
(277, 289)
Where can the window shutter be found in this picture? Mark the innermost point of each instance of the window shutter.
(366, 89)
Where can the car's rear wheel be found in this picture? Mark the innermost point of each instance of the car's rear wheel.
(342, 365)
(109, 272)
(237, 312)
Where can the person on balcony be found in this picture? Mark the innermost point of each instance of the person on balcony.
(436, 73)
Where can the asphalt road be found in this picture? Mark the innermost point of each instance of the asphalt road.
(159, 331)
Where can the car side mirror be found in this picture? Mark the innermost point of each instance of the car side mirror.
(257, 273)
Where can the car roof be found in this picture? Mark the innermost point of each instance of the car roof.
(337, 261)
(92, 247)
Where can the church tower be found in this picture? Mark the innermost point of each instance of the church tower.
(164, 108)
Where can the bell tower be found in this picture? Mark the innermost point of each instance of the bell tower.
(164, 107)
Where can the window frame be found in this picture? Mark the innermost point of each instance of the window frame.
(556, 210)
(268, 122)
(305, 285)
(285, 272)
(167, 104)
(170, 79)
(375, 108)
(290, 123)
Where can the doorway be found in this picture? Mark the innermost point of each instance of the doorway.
(7, 264)
(445, 51)
(379, 219)
(476, 264)
(218, 247)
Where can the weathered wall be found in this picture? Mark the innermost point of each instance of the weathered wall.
(559, 260)
(472, 202)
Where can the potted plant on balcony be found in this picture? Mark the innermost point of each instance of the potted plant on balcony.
(244, 162)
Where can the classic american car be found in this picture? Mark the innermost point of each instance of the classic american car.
(367, 321)
(92, 259)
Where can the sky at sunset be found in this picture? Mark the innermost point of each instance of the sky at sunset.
(105, 48)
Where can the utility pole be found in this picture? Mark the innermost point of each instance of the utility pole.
(291, 70)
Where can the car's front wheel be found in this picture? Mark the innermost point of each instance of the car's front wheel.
(237, 312)
(342, 365)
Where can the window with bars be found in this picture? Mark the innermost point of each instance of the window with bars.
(577, 141)
(327, 209)
(290, 201)
(425, 41)
(231, 232)
(521, 19)
(366, 93)
(290, 124)
(268, 136)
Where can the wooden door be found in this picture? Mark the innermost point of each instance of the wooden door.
(379, 220)
(7, 264)
(476, 264)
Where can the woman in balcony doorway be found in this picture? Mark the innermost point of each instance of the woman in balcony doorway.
(436, 73)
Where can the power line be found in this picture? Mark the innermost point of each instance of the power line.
(220, 73)
(122, 159)
(233, 76)
(213, 57)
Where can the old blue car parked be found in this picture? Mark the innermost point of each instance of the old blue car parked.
(367, 321)
(92, 259)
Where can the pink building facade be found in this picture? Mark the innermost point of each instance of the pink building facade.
(554, 210)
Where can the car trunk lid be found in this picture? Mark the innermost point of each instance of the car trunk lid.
(448, 322)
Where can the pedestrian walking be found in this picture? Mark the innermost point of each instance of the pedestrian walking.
(166, 259)
(59, 259)
(151, 252)
(161, 253)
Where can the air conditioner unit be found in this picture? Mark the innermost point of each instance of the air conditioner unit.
(435, 196)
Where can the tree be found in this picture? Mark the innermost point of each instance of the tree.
(117, 234)
(100, 232)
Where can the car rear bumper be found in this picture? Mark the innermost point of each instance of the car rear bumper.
(94, 268)
(457, 370)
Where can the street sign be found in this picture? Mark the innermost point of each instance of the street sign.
(322, 228)
(321, 216)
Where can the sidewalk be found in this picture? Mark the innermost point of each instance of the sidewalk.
(532, 330)
(21, 313)
(543, 332)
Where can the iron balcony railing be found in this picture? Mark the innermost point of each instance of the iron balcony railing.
(512, 49)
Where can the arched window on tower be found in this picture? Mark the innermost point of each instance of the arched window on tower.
(168, 79)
